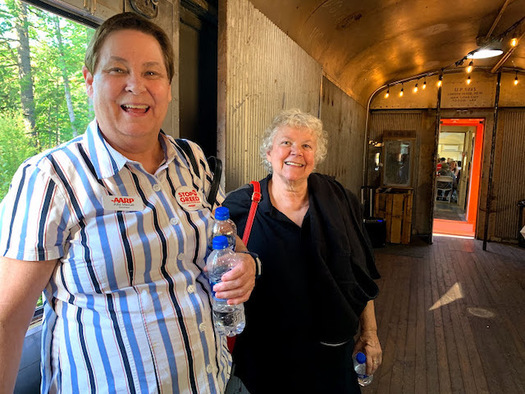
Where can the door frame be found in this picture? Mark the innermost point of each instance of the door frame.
(452, 227)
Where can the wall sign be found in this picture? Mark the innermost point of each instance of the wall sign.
(479, 94)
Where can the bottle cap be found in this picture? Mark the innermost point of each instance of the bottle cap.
(222, 213)
(360, 358)
(220, 242)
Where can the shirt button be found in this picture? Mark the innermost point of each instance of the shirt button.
(174, 221)
(191, 289)
(202, 327)
(156, 187)
(209, 368)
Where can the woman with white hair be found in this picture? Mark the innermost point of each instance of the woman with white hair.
(316, 290)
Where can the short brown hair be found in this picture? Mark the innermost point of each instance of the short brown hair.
(129, 21)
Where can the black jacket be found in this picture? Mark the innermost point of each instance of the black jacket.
(340, 252)
(316, 280)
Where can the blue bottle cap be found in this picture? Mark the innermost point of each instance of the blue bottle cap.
(360, 358)
(222, 213)
(220, 242)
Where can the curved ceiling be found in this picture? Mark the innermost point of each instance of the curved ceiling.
(363, 45)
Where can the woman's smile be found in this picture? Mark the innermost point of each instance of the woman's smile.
(135, 108)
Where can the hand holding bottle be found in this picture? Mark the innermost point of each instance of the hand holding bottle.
(238, 283)
(228, 318)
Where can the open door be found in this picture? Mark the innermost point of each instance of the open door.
(463, 140)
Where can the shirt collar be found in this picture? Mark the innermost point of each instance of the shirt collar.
(107, 161)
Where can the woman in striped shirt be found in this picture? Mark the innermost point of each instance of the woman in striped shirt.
(101, 226)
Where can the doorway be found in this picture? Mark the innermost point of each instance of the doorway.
(198, 73)
(455, 210)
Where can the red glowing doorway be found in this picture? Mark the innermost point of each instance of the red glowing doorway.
(468, 227)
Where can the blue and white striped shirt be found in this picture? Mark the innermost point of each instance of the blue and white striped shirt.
(128, 307)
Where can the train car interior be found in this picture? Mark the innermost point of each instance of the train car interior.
(424, 105)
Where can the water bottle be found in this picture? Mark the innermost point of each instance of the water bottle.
(224, 226)
(360, 368)
(228, 319)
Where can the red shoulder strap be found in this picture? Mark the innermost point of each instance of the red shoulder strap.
(256, 197)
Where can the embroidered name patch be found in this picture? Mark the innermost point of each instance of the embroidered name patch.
(188, 198)
(122, 203)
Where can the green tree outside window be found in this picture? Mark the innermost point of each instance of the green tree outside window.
(42, 95)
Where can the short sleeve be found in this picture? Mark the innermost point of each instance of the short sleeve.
(33, 217)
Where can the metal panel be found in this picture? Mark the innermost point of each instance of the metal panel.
(344, 120)
(381, 121)
(423, 122)
(261, 71)
(509, 179)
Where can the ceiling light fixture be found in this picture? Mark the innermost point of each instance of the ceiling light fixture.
(469, 80)
(415, 88)
(440, 80)
(401, 92)
(516, 79)
(387, 94)
(490, 50)
(424, 84)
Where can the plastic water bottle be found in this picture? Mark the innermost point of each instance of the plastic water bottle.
(360, 368)
(229, 320)
(224, 226)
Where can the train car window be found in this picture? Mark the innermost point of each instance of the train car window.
(42, 96)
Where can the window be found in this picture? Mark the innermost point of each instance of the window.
(42, 95)
(396, 166)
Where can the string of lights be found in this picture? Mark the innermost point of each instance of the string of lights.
(490, 49)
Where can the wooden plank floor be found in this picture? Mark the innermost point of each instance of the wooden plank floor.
(451, 318)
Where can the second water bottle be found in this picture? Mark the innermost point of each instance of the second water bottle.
(229, 320)
(360, 368)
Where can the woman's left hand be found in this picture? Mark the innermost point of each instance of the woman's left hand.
(368, 343)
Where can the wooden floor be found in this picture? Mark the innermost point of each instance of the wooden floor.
(451, 318)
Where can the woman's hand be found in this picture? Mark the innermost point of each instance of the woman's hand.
(368, 343)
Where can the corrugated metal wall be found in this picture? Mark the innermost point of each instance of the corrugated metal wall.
(509, 174)
(344, 120)
(261, 71)
(381, 121)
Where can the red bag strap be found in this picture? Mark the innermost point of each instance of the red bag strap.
(256, 197)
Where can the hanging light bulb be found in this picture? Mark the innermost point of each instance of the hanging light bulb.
(470, 67)
(401, 92)
(440, 81)
(469, 80)
(387, 94)
(424, 84)
(514, 41)
(415, 88)
(516, 79)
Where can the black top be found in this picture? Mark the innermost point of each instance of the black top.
(280, 349)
